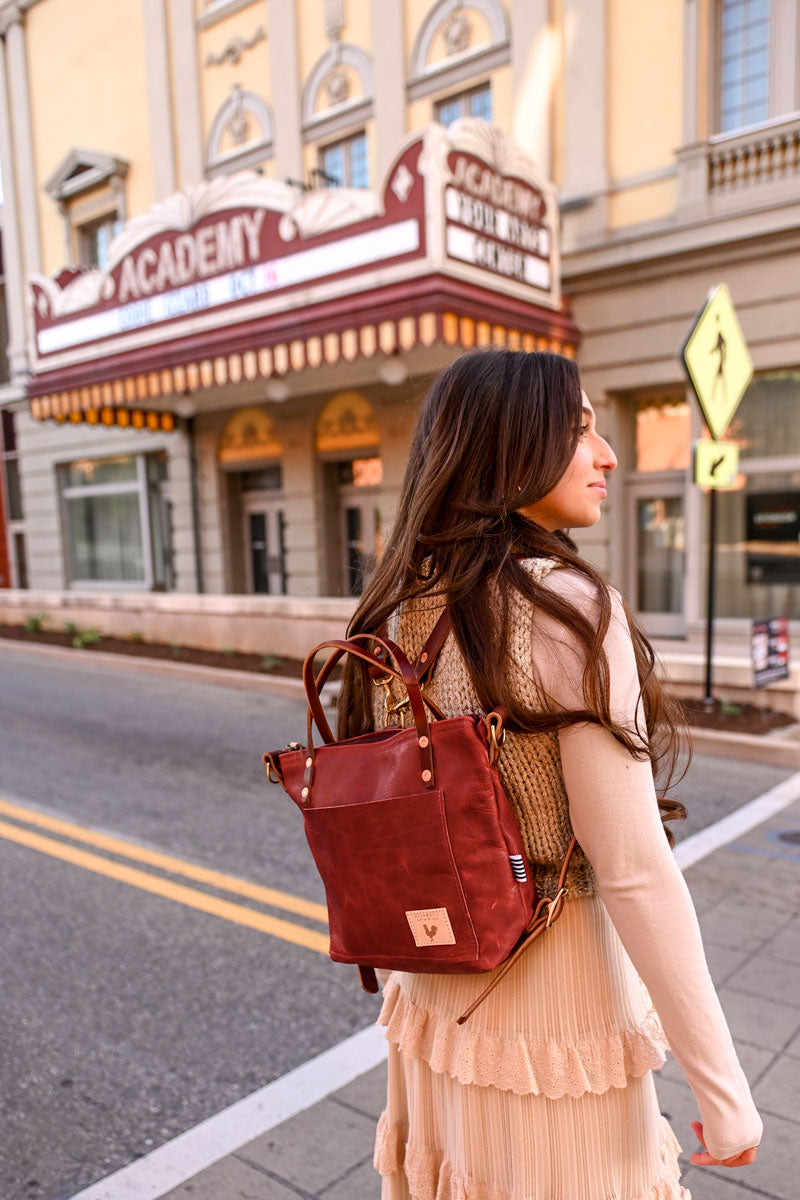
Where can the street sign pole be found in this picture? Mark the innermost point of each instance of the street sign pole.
(708, 699)
(719, 367)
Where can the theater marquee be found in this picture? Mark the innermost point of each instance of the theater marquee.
(246, 277)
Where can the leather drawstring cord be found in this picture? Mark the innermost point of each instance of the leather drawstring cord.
(545, 913)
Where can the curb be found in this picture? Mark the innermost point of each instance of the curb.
(247, 681)
(773, 751)
(749, 747)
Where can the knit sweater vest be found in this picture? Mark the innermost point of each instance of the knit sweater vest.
(530, 763)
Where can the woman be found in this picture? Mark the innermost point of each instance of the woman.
(547, 1092)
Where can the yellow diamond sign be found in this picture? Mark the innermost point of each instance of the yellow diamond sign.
(718, 361)
(716, 464)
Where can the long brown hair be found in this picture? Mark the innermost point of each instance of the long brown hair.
(492, 419)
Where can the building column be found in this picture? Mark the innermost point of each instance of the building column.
(690, 52)
(584, 188)
(388, 40)
(784, 34)
(12, 236)
(159, 101)
(534, 71)
(17, 67)
(286, 89)
(186, 77)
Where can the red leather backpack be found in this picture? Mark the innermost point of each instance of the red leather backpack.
(411, 831)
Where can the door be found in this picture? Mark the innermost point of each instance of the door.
(265, 546)
(656, 544)
(360, 532)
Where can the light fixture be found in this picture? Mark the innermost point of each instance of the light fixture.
(277, 390)
(393, 370)
(185, 407)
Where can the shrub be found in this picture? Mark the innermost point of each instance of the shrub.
(86, 637)
(270, 662)
(36, 622)
(136, 636)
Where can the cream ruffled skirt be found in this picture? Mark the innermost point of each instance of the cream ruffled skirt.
(545, 1093)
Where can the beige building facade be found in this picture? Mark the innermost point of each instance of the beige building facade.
(205, 399)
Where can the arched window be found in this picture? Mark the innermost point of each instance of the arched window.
(241, 133)
(339, 92)
(457, 41)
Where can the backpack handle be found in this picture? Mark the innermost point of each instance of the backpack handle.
(403, 672)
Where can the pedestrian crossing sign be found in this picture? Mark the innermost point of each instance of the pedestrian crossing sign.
(716, 464)
(716, 357)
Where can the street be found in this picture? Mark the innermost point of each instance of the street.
(142, 992)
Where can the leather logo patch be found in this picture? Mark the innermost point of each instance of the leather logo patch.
(431, 927)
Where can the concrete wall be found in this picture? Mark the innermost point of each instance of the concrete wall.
(252, 624)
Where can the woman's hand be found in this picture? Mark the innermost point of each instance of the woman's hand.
(704, 1159)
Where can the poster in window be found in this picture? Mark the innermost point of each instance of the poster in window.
(773, 537)
(769, 646)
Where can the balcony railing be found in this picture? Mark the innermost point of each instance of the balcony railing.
(764, 154)
(757, 165)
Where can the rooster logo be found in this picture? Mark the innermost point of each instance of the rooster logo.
(431, 931)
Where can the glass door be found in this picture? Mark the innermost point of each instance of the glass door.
(360, 537)
(656, 544)
(265, 547)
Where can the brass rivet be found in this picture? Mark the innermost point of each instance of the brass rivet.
(423, 658)
(423, 741)
(308, 762)
(426, 775)
(304, 793)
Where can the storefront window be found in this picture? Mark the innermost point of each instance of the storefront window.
(767, 421)
(758, 547)
(116, 516)
(661, 552)
(662, 433)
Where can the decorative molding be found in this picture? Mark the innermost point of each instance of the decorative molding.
(492, 10)
(232, 52)
(81, 170)
(327, 209)
(337, 121)
(334, 19)
(455, 72)
(456, 32)
(233, 116)
(12, 12)
(341, 53)
(219, 9)
(9, 17)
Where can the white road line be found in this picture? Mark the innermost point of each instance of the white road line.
(737, 823)
(172, 1164)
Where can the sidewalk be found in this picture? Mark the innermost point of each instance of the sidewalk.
(747, 895)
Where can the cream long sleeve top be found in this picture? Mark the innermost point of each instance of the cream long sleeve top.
(614, 813)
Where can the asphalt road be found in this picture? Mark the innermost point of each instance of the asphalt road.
(129, 1016)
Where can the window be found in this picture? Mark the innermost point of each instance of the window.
(744, 63)
(115, 518)
(662, 434)
(344, 164)
(94, 238)
(8, 444)
(475, 103)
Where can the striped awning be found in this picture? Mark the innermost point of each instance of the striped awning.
(128, 398)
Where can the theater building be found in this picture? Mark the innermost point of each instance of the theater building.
(249, 361)
(237, 249)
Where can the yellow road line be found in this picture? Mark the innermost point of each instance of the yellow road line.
(191, 897)
(177, 866)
